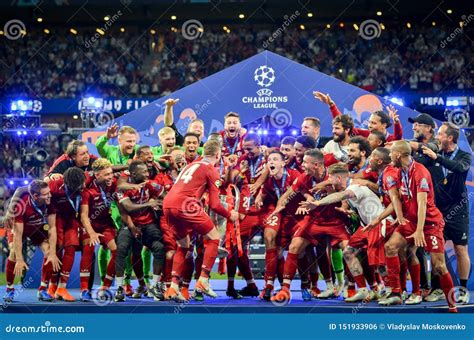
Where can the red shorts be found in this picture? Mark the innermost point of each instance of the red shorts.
(251, 225)
(316, 234)
(69, 231)
(433, 235)
(288, 227)
(108, 233)
(184, 223)
(373, 241)
(169, 235)
(37, 236)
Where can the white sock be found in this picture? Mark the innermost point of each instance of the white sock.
(119, 281)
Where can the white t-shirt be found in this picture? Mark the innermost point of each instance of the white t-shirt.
(366, 202)
(339, 152)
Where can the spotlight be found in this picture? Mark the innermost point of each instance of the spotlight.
(106, 18)
(11, 182)
(39, 19)
(396, 100)
(25, 182)
(173, 17)
(310, 15)
(92, 103)
(18, 133)
(265, 132)
(379, 13)
(279, 132)
(38, 132)
(73, 31)
(24, 133)
(21, 105)
(259, 132)
(294, 132)
(241, 16)
(449, 11)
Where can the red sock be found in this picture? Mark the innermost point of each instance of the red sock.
(271, 261)
(415, 278)
(168, 268)
(244, 266)
(393, 269)
(222, 269)
(348, 274)
(210, 254)
(10, 275)
(85, 266)
(67, 262)
(360, 280)
(403, 275)
(290, 268)
(378, 277)
(324, 265)
(46, 271)
(178, 264)
(110, 272)
(188, 268)
(447, 286)
(281, 268)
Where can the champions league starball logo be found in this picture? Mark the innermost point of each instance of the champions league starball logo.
(265, 76)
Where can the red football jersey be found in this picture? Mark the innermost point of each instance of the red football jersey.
(325, 215)
(33, 218)
(295, 165)
(232, 146)
(193, 181)
(99, 200)
(274, 189)
(63, 203)
(417, 179)
(189, 159)
(390, 179)
(255, 167)
(150, 190)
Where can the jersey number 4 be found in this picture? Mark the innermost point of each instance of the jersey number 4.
(187, 175)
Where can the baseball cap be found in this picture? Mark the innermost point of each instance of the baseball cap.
(423, 118)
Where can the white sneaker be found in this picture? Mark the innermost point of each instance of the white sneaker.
(404, 295)
(435, 295)
(329, 292)
(361, 295)
(463, 297)
(391, 300)
(386, 293)
(339, 289)
(203, 286)
(414, 299)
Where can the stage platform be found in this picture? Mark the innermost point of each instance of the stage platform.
(26, 302)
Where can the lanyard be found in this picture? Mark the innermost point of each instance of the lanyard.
(142, 192)
(254, 166)
(455, 152)
(38, 210)
(317, 195)
(356, 170)
(234, 148)
(283, 180)
(406, 178)
(104, 196)
(380, 184)
(221, 168)
(78, 200)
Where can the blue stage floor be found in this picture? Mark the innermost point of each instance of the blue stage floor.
(26, 302)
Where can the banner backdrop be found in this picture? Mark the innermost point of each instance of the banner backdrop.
(265, 84)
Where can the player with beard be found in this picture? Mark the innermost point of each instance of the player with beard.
(142, 226)
(232, 136)
(368, 206)
(186, 215)
(323, 224)
(250, 166)
(281, 178)
(191, 144)
(34, 219)
(424, 224)
(311, 126)
(96, 202)
(358, 154)
(378, 121)
(195, 126)
(341, 129)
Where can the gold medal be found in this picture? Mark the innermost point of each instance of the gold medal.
(77, 214)
(445, 181)
(110, 211)
(46, 227)
(252, 180)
